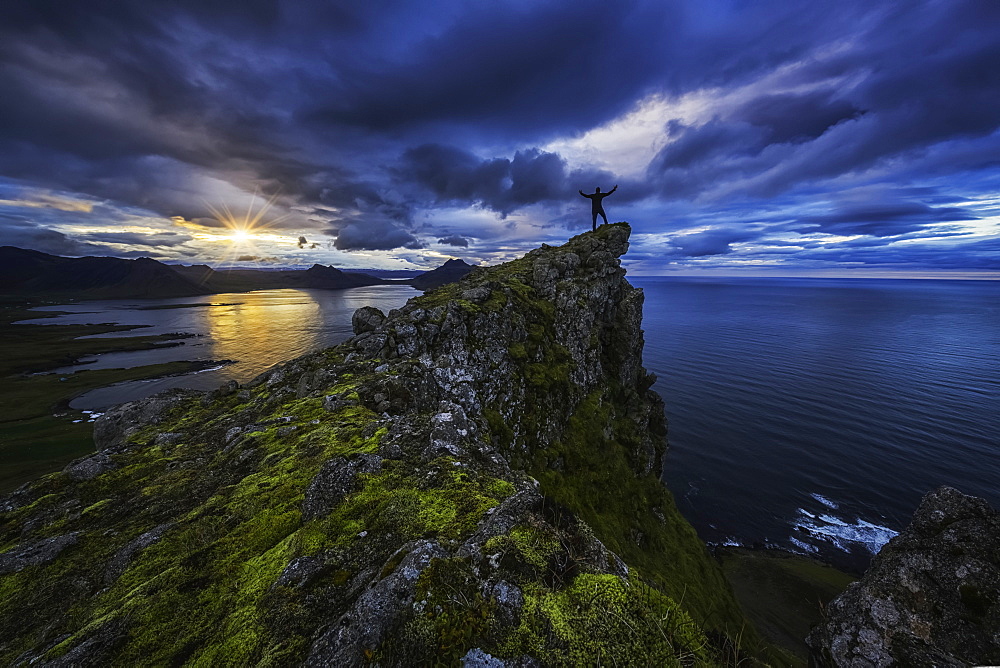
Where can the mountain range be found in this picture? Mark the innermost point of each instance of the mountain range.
(29, 273)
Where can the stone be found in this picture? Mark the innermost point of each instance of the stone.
(90, 467)
(124, 556)
(930, 597)
(112, 429)
(367, 319)
(36, 553)
(477, 658)
(168, 438)
(335, 480)
(375, 611)
(299, 572)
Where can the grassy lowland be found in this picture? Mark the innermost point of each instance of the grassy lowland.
(39, 433)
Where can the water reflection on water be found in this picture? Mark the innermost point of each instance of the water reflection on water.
(255, 330)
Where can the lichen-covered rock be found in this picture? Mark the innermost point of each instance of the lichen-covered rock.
(35, 553)
(367, 319)
(89, 467)
(378, 608)
(113, 428)
(128, 552)
(335, 480)
(472, 478)
(930, 598)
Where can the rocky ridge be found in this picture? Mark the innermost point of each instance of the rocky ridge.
(472, 479)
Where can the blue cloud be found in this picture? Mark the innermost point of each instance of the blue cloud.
(363, 120)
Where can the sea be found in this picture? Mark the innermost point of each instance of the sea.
(806, 414)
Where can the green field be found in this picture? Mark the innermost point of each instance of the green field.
(38, 434)
(782, 594)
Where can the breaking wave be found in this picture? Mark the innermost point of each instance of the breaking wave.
(810, 529)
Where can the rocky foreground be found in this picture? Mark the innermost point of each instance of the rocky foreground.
(471, 479)
(930, 598)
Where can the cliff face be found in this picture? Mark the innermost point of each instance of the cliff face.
(930, 598)
(474, 476)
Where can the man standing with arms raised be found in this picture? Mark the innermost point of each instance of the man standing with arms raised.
(597, 206)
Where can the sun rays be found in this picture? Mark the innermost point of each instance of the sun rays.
(243, 231)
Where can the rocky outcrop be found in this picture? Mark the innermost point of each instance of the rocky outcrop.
(473, 477)
(113, 428)
(930, 598)
(35, 553)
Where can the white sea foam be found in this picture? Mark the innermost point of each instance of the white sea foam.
(207, 369)
(840, 533)
(832, 505)
(806, 547)
(728, 541)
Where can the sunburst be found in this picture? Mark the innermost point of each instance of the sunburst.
(243, 230)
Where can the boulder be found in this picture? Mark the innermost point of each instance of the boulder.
(930, 598)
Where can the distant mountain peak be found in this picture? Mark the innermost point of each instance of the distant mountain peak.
(449, 272)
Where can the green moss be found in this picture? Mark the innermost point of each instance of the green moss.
(448, 505)
(599, 483)
(500, 431)
(97, 507)
(452, 616)
(606, 620)
(445, 296)
(531, 546)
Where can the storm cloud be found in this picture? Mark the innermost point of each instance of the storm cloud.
(378, 127)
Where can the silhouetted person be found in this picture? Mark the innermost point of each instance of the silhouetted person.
(597, 205)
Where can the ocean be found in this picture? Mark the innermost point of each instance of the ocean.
(813, 414)
(805, 414)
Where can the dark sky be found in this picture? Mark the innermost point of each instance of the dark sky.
(851, 138)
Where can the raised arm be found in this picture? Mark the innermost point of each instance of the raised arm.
(581, 192)
(613, 189)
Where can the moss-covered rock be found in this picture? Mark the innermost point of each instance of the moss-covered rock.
(474, 477)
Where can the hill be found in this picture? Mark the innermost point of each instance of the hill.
(30, 273)
(245, 280)
(449, 272)
(473, 478)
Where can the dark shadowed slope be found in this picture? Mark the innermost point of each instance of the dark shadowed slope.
(27, 273)
(30, 273)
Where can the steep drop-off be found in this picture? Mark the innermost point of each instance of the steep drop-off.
(474, 476)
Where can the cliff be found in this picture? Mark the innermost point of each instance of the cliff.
(472, 477)
(931, 596)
